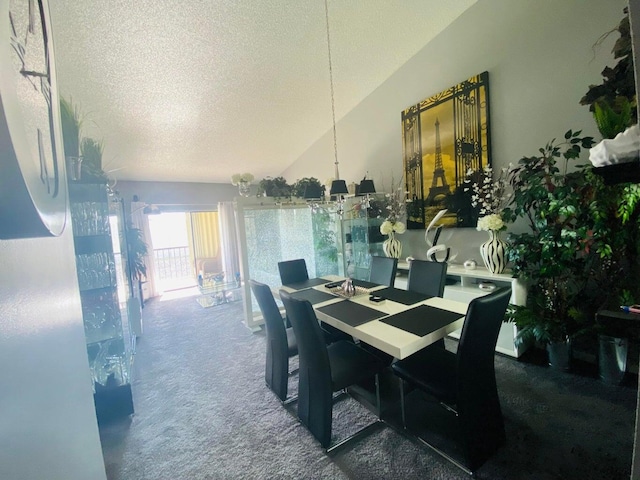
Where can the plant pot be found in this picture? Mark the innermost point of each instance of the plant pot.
(559, 353)
(612, 358)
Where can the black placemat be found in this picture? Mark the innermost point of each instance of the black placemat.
(401, 296)
(313, 295)
(422, 320)
(365, 284)
(312, 282)
(353, 314)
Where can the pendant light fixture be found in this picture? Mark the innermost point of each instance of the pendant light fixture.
(338, 187)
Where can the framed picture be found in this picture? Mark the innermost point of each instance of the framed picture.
(443, 137)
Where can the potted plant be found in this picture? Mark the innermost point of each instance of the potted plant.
(553, 255)
(92, 160)
(136, 251)
(274, 187)
(307, 187)
(71, 121)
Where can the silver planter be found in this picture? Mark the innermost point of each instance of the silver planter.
(560, 354)
(612, 358)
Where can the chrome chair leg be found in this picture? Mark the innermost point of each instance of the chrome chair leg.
(404, 422)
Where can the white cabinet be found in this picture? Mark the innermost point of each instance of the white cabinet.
(467, 288)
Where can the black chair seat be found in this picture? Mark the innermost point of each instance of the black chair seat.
(292, 344)
(351, 364)
(439, 382)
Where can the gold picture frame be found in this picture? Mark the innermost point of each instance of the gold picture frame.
(443, 137)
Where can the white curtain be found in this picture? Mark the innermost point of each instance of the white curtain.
(141, 221)
(228, 238)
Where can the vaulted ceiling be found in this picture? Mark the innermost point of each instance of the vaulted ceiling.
(196, 90)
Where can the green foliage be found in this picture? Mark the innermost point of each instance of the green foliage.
(92, 162)
(553, 256)
(137, 249)
(619, 81)
(299, 187)
(71, 121)
(274, 187)
(612, 121)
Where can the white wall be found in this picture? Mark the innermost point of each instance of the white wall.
(540, 61)
(48, 427)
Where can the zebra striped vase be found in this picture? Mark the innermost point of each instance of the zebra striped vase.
(493, 253)
(392, 246)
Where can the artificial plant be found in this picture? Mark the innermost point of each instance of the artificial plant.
(613, 102)
(274, 187)
(552, 256)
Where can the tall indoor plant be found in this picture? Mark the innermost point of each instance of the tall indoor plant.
(553, 255)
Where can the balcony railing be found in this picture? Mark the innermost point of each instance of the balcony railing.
(173, 267)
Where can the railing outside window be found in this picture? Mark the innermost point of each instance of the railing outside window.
(174, 267)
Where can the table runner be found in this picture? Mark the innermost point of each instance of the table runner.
(422, 320)
(353, 314)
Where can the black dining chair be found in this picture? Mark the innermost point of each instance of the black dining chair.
(428, 278)
(325, 369)
(293, 271)
(464, 383)
(281, 342)
(383, 270)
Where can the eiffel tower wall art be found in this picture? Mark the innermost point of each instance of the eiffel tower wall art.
(442, 138)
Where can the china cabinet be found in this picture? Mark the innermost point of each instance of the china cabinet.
(98, 230)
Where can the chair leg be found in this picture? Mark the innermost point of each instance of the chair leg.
(378, 407)
(404, 421)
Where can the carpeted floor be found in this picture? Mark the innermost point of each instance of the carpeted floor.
(203, 411)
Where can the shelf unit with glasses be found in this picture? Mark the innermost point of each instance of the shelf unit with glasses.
(101, 269)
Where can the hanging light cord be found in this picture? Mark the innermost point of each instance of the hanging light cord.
(333, 103)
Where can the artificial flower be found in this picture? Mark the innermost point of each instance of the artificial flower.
(490, 222)
(239, 178)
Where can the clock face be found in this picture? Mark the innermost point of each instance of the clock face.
(33, 190)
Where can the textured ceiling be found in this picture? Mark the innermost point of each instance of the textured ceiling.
(196, 90)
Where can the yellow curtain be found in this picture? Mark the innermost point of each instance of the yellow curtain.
(204, 241)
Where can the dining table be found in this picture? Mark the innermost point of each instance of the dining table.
(396, 321)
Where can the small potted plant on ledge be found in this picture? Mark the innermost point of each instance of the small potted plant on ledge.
(552, 256)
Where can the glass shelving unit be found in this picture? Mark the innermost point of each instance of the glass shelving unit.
(102, 280)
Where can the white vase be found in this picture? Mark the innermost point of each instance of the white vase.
(392, 246)
(493, 253)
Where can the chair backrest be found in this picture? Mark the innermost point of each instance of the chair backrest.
(312, 349)
(383, 270)
(274, 322)
(293, 271)
(476, 349)
(426, 277)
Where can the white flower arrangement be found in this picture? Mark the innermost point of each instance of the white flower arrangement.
(492, 221)
(489, 195)
(388, 227)
(239, 178)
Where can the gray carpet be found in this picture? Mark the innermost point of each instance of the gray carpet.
(203, 412)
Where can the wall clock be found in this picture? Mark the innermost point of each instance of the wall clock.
(33, 193)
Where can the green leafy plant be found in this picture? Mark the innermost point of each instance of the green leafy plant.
(299, 187)
(71, 120)
(617, 92)
(136, 249)
(274, 187)
(92, 163)
(553, 255)
(612, 121)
